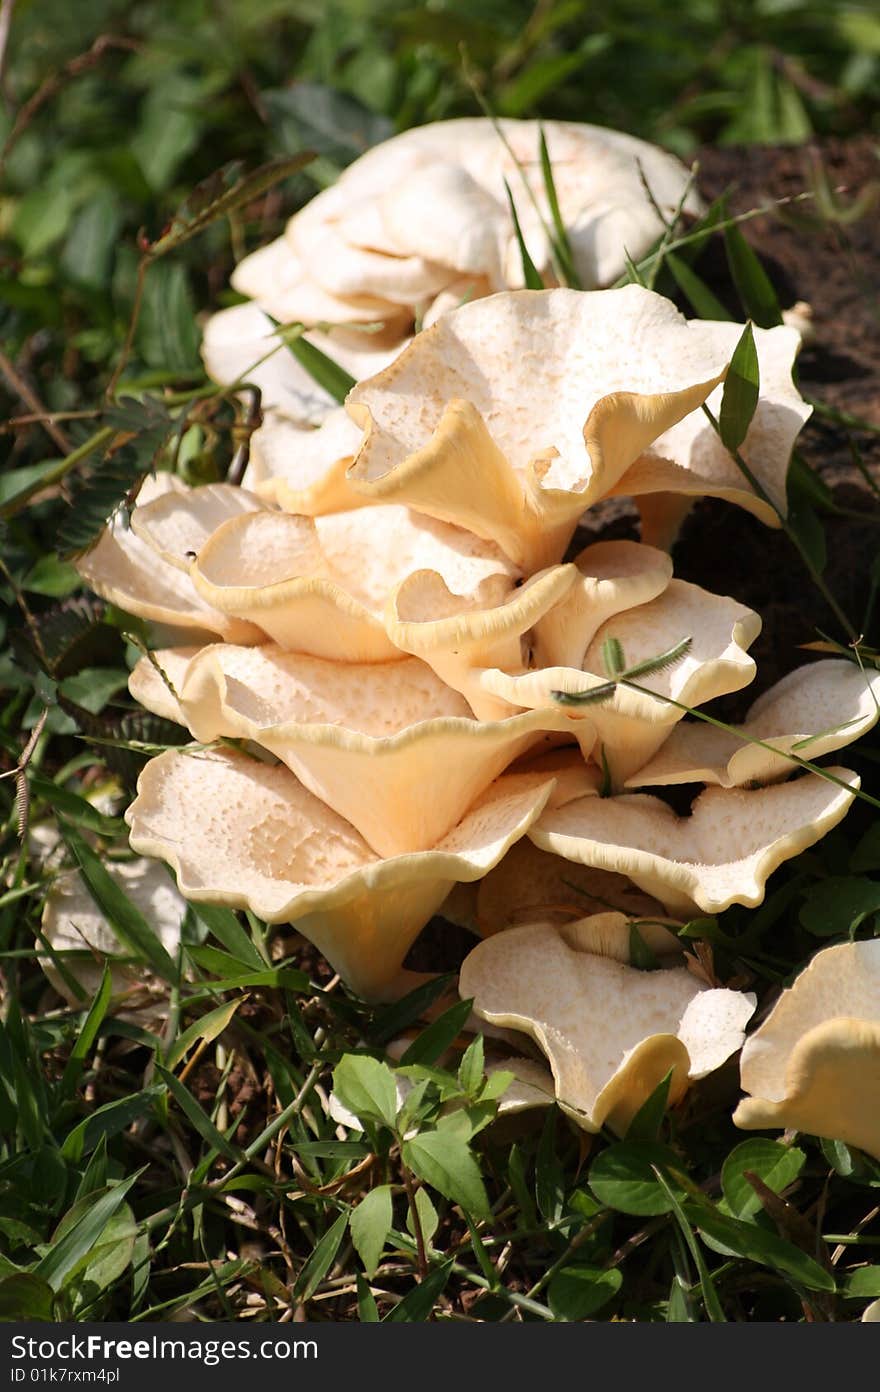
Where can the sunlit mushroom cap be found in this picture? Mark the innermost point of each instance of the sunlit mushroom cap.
(130, 572)
(610, 1032)
(249, 835)
(812, 711)
(320, 585)
(721, 854)
(631, 725)
(814, 1063)
(513, 413)
(366, 738)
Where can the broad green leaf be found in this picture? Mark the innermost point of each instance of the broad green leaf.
(370, 1224)
(25, 1296)
(367, 1309)
(124, 917)
(444, 1160)
(839, 905)
(742, 388)
(52, 577)
(678, 1306)
(622, 1178)
(777, 1165)
(429, 1219)
(864, 1283)
(226, 928)
(550, 1184)
(366, 1087)
(436, 1039)
(77, 810)
(66, 1254)
(418, 1304)
(470, 1070)
(576, 1292)
(321, 1260)
(752, 283)
(334, 123)
(110, 1256)
(645, 1125)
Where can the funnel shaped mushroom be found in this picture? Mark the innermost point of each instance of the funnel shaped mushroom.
(461, 637)
(475, 424)
(422, 222)
(320, 585)
(722, 854)
(124, 569)
(631, 725)
(304, 470)
(812, 711)
(689, 461)
(814, 1064)
(364, 738)
(610, 1033)
(241, 833)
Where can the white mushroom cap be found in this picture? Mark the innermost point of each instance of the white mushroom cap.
(512, 414)
(610, 1032)
(320, 585)
(128, 572)
(531, 885)
(722, 854)
(249, 835)
(365, 738)
(812, 711)
(632, 725)
(814, 1063)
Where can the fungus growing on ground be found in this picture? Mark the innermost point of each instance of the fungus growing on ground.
(396, 641)
(814, 1064)
(611, 1033)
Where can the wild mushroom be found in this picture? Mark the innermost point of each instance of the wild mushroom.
(814, 1064)
(610, 1032)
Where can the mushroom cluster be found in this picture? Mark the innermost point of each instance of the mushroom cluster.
(371, 644)
(420, 224)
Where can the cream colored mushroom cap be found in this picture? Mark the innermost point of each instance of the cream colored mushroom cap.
(722, 854)
(320, 585)
(610, 1032)
(814, 1063)
(513, 413)
(249, 835)
(241, 344)
(810, 712)
(128, 572)
(632, 725)
(366, 738)
(437, 191)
